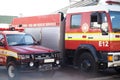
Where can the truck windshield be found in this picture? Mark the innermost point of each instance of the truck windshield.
(115, 19)
(19, 39)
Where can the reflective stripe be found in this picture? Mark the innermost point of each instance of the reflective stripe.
(5, 52)
(91, 37)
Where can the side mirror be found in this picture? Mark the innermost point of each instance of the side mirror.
(2, 44)
(20, 25)
(62, 15)
(104, 28)
(99, 18)
(38, 43)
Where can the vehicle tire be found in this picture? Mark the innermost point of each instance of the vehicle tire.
(87, 63)
(12, 71)
(117, 69)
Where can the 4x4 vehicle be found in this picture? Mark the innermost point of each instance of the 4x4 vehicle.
(19, 51)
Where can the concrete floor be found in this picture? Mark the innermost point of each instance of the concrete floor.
(66, 73)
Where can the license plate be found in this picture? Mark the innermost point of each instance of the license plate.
(49, 60)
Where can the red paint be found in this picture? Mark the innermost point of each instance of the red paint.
(84, 36)
(38, 21)
(111, 45)
(29, 49)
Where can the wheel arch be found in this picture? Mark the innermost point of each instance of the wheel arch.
(10, 58)
(12, 68)
(85, 48)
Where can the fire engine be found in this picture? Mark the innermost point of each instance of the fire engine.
(89, 36)
(19, 51)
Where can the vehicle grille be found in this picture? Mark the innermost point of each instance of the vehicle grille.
(44, 56)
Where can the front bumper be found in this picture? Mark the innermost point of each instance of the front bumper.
(40, 62)
(114, 59)
(40, 65)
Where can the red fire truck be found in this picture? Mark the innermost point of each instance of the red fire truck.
(88, 36)
(19, 52)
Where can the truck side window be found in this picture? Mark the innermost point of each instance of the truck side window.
(94, 22)
(75, 21)
(1, 38)
(94, 18)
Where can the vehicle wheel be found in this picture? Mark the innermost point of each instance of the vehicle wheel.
(117, 69)
(12, 71)
(87, 63)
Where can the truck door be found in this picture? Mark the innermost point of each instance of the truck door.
(2, 56)
(72, 31)
(99, 31)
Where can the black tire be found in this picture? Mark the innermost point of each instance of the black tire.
(12, 71)
(117, 69)
(87, 63)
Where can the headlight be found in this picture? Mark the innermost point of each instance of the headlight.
(57, 62)
(116, 57)
(24, 56)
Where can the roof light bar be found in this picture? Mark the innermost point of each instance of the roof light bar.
(12, 29)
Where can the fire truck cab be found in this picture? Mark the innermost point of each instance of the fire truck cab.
(19, 52)
(93, 34)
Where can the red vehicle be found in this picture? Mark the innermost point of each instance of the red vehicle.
(19, 52)
(89, 36)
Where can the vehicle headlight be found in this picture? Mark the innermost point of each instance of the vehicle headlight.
(24, 56)
(116, 57)
(57, 62)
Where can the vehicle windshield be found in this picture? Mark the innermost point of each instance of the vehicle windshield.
(19, 39)
(115, 19)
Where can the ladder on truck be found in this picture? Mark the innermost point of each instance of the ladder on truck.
(78, 4)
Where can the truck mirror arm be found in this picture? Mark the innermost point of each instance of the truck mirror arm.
(99, 18)
(104, 29)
